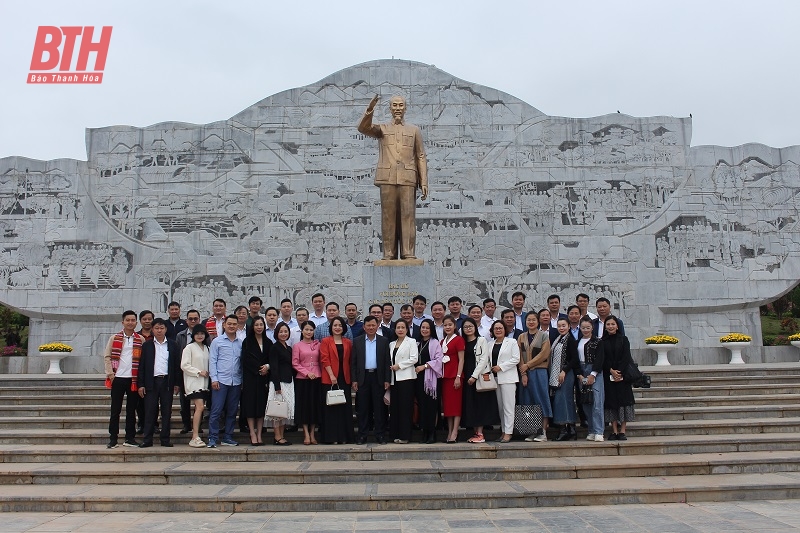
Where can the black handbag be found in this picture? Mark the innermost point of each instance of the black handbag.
(587, 395)
(636, 377)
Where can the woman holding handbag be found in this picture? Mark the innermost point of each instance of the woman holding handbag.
(618, 392)
(563, 369)
(307, 385)
(504, 358)
(281, 385)
(480, 406)
(404, 355)
(334, 355)
(590, 358)
(255, 368)
(534, 349)
(429, 370)
(452, 378)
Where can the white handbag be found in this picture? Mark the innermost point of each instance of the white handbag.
(278, 409)
(335, 396)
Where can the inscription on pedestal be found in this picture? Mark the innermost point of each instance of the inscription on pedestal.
(397, 284)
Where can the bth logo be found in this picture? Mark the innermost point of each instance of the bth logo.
(53, 54)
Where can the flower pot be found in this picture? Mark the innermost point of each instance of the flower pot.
(736, 351)
(796, 344)
(55, 361)
(661, 350)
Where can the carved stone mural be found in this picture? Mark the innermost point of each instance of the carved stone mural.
(279, 201)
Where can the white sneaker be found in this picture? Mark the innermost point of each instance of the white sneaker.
(590, 436)
(540, 438)
(530, 438)
(598, 438)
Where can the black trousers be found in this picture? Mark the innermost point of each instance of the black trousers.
(119, 388)
(186, 413)
(428, 407)
(369, 400)
(160, 395)
(401, 409)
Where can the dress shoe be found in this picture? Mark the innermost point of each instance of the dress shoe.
(613, 436)
(146, 445)
(112, 444)
(167, 445)
(621, 436)
(380, 440)
(185, 430)
(361, 440)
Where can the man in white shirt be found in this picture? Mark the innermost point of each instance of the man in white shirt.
(296, 333)
(487, 319)
(159, 373)
(438, 311)
(386, 318)
(318, 303)
(122, 351)
(554, 305)
(582, 301)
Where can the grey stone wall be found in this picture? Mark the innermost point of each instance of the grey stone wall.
(278, 201)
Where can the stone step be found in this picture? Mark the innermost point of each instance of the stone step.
(397, 496)
(397, 471)
(749, 369)
(703, 413)
(766, 389)
(89, 445)
(708, 401)
(45, 390)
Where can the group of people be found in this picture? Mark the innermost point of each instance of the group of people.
(298, 368)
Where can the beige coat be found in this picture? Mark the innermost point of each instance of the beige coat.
(193, 360)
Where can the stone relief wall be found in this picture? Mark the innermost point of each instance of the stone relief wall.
(278, 201)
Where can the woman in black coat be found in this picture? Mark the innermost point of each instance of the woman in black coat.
(282, 379)
(255, 371)
(619, 392)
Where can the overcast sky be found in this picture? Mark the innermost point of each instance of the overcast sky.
(731, 64)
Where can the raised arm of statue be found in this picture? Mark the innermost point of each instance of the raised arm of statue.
(365, 126)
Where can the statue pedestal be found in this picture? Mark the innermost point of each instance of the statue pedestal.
(398, 281)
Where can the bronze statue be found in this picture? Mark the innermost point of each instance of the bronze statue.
(402, 168)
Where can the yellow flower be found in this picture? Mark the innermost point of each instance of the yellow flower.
(661, 339)
(55, 347)
(795, 337)
(736, 337)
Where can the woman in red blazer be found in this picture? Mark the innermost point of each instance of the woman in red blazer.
(334, 357)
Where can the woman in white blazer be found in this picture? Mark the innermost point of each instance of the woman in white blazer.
(194, 363)
(404, 354)
(504, 354)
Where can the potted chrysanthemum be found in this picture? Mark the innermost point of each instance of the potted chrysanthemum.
(662, 344)
(736, 342)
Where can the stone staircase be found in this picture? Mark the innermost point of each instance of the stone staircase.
(703, 433)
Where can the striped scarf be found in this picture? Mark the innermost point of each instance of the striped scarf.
(557, 357)
(211, 327)
(116, 352)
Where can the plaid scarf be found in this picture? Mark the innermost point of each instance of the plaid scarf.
(116, 351)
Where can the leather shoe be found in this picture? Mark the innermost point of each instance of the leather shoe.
(185, 430)
(361, 440)
(167, 445)
(381, 440)
(146, 445)
(563, 436)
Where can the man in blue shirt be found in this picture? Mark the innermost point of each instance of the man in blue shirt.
(225, 369)
(324, 329)
(354, 325)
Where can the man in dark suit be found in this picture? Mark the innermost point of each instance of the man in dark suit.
(603, 306)
(554, 305)
(454, 306)
(159, 369)
(175, 324)
(509, 318)
(370, 368)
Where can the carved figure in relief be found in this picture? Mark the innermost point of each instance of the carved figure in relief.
(402, 167)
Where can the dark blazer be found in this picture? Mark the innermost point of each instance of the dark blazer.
(594, 353)
(571, 362)
(147, 364)
(414, 333)
(388, 333)
(358, 370)
(516, 333)
(596, 329)
(553, 333)
(280, 365)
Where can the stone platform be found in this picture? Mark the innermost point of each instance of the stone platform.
(703, 434)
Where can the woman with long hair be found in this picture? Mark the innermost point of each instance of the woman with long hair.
(282, 380)
(255, 369)
(618, 391)
(452, 378)
(591, 358)
(335, 356)
(429, 370)
(404, 354)
(534, 350)
(479, 409)
(307, 384)
(194, 363)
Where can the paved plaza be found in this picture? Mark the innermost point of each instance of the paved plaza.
(767, 516)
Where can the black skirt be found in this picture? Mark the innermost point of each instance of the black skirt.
(307, 401)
